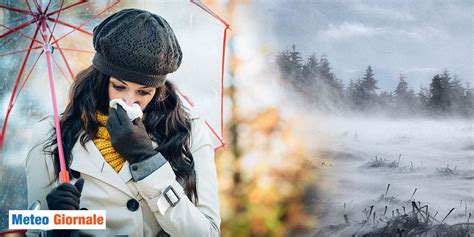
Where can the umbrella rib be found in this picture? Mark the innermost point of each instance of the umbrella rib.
(29, 7)
(185, 97)
(60, 70)
(57, 18)
(67, 7)
(224, 41)
(37, 6)
(27, 77)
(76, 50)
(70, 26)
(62, 55)
(209, 11)
(21, 51)
(18, 32)
(47, 6)
(19, 27)
(22, 69)
(2, 134)
(65, 60)
(210, 127)
(214, 132)
(17, 10)
(89, 20)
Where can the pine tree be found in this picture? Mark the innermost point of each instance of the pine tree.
(386, 101)
(325, 69)
(313, 79)
(350, 94)
(469, 102)
(368, 81)
(311, 67)
(424, 96)
(442, 93)
(456, 96)
(284, 63)
(446, 102)
(367, 86)
(296, 62)
(339, 88)
(291, 68)
(357, 95)
(289, 62)
(405, 99)
(402, 87)
(437, 101)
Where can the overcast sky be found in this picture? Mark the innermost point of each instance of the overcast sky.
(418, 38)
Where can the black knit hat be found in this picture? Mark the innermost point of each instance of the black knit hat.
(137, 46)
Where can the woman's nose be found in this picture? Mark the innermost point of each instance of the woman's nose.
(129, 100)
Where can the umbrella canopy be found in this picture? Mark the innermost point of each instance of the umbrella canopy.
(37, 37)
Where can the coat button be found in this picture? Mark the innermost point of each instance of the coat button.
(132, 205)
(75, 174)
(134, 167)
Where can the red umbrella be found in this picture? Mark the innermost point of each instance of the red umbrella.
(49, 30)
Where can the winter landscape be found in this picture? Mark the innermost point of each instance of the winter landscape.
(375, 168)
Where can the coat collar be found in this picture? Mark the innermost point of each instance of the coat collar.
(88, 160)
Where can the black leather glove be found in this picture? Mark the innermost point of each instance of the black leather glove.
(65, 196)
(62, 233)
(129, 139)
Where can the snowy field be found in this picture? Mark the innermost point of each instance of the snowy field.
(360, 157)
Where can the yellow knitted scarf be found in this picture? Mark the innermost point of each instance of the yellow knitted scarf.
(102, 141)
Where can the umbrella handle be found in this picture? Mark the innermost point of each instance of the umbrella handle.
(64, 176)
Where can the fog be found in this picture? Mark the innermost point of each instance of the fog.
(435, 157)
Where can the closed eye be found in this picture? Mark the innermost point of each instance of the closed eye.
(144, 93)
(122, 88)
(119, 88)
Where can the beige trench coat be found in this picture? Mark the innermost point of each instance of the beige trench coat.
(104, 189)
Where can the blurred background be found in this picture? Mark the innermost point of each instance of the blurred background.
(338, 116)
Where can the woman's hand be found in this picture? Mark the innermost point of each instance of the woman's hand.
(129, 139)
(65, 196)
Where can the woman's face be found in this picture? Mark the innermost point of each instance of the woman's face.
(130, 92)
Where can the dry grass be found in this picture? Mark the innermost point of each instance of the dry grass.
(447, 171)
(415, 220)
(418, 222)
(382, 163)
(395, 165)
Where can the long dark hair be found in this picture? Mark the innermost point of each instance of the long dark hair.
(165, 118)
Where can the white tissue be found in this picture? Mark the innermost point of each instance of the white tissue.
(133, 112)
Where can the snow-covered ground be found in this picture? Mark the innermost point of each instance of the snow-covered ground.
(436, 157)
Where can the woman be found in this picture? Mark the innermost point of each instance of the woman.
(153, 176)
